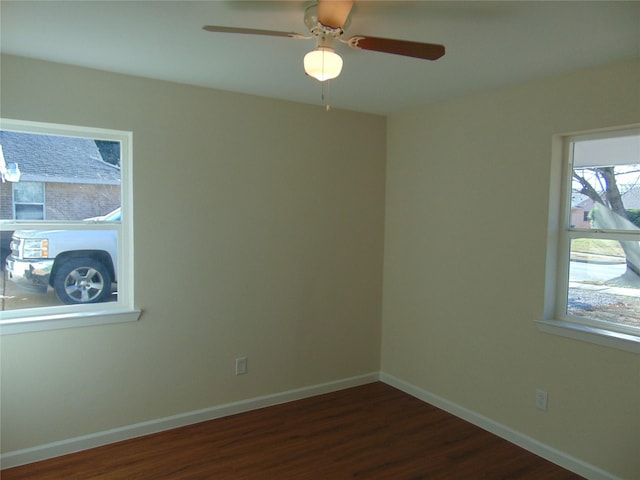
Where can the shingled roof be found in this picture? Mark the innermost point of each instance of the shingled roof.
(51, 158)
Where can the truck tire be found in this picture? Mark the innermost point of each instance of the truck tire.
(82, 280)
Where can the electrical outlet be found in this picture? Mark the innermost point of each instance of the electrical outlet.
(241, 365)
(542, 400)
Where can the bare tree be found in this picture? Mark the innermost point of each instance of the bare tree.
(609, 208)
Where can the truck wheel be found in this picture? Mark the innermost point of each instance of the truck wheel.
(82, 280)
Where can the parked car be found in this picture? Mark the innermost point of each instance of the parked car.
(80, 265)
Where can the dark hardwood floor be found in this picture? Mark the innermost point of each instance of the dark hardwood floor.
(368, 432)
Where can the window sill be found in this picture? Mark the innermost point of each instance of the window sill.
(68, 320)
(607, 338)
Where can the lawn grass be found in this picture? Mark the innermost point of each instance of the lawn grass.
(596, 246)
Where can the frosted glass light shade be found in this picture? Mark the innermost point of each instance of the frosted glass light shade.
(323, 64)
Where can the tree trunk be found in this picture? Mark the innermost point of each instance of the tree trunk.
(612, 216)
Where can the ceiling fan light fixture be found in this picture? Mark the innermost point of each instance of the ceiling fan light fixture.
(323, 63)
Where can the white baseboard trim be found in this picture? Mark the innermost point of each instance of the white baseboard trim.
(545, 451)
(85, 442)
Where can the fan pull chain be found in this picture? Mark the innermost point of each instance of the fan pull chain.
(326, 96)
(325, 91)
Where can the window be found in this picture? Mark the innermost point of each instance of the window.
(67, 227)
(28, 200)
(597, 267)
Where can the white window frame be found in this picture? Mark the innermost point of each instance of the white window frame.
(41, 204)
(555, 319)
(69, 316)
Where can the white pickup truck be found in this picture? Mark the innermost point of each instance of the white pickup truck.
(80, 265)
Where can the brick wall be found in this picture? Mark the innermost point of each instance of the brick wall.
(6, 205)
(78, 201)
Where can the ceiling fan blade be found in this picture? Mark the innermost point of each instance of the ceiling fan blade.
(426, 51)
(251, 31)
(334, 13)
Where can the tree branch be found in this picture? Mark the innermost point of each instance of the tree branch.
(587, 189)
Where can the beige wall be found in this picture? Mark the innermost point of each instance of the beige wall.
(465, 250)
(258, 232)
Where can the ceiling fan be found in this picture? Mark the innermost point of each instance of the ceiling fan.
(326, 22)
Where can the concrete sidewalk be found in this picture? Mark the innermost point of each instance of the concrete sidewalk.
(622, 291)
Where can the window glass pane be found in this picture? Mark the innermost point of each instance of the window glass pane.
(604, 283)
(29, 212)
(28, 192)
(74, 177)
(60, 267)
(606, 184)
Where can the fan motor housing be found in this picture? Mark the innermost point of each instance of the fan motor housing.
(316, 28)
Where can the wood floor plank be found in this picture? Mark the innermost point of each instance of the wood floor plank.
(370, 432)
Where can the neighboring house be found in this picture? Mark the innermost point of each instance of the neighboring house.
(61, 178)
(631, 198)
(581, 206)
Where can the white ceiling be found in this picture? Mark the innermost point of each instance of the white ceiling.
(489, 44)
